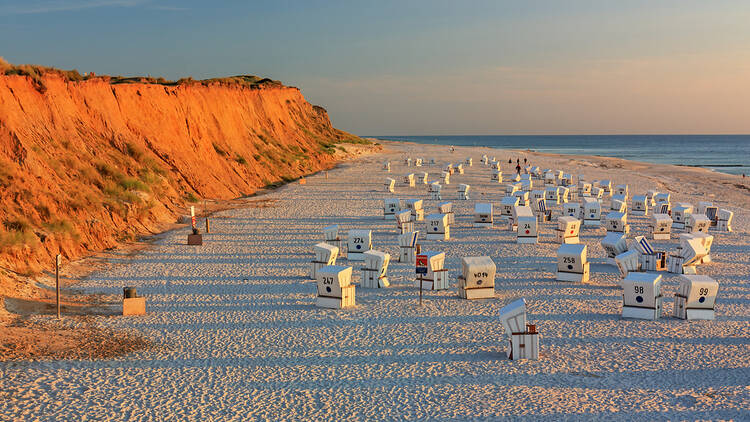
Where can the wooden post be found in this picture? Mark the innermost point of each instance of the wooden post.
(208, 226)
(58, 260)
(420, 290)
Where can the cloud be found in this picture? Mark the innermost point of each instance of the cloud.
(38, 7)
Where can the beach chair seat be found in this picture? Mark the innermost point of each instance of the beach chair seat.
(572, 264)
(334, 287)
(641, 296)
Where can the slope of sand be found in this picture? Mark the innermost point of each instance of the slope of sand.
(238, 336)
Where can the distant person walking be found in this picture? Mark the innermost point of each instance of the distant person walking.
(510, 161)
(518, 168)
(452, 149)
(524, 160)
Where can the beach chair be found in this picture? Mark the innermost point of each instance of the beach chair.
(460, 168)
(552, 196)
(469, 162)
(649, 259)
(568, 230)
(438, 227)
(623, 191)
(358, 242)
(572, 209)
(334, 287)
(506, 207)
(416, 208)
(584, 189)
(523, 197)
(592, 211)
(614, 243)
(628, 262)
(496, 176)
(408, 162)
(572, 264)
(423, 178)
(418, 162)
(706, 240)
(523, 338)
(477, 280)
(542, 213)
(390, 185)
(374, 273)
(641, 296)
(446, 177)
(483, 215)
(407, 243)
(695, 297)
(550, 179)
(447, 209)
(463, 192)
(680, 214)
(325, 255)
(663, 200)
(434, 188)
(403, 221)
(331, 237)
(390, 207)
(437, 276)
(724, 220)
(639, 205)
(660, 226)
(512, 188)
(387, 166)
(697, 223)
(562, 194)
(617, 222)
(409, 180)
(689, 254)
(702, 205)
(525, 225)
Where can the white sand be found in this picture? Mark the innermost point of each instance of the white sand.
(239, 337)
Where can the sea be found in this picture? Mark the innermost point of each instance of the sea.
(722, 153)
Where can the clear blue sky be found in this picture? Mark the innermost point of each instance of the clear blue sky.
(427, 67)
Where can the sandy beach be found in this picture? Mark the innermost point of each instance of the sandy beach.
(236, 334)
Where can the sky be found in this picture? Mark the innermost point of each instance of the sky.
(416, 67)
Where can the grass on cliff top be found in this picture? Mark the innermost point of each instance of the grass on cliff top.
(35, 72)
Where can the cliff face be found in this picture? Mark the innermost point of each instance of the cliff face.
(85, 164)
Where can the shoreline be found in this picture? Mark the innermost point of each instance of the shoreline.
(501, 148)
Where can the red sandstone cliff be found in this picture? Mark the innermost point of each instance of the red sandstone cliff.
(87, 163)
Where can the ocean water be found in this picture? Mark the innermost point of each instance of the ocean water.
(724, 153)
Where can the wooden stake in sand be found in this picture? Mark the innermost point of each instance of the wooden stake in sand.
(58, 261)
(421, 269)
(205, 210)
